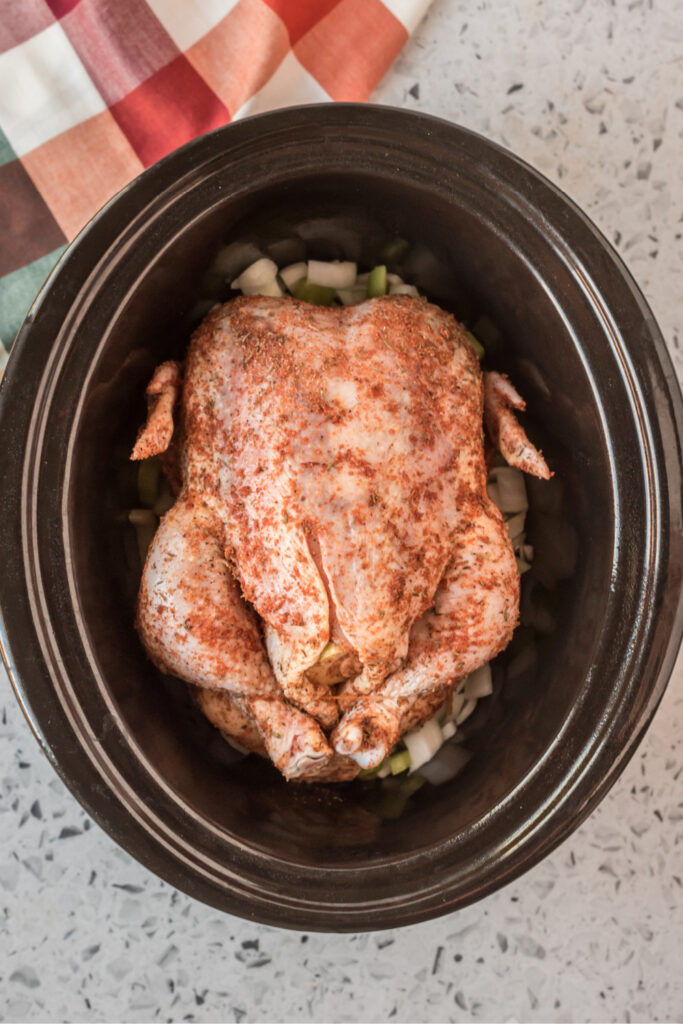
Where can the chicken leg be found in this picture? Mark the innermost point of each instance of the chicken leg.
(195, 624)
(473, 618)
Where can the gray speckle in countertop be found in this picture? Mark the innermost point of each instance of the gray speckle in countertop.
(591, 93)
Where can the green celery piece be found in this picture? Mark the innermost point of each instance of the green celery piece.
(476, 345)
(377, 282)
(318, 294)
(399, 762)
(330, 650)
(369, 773)
(411, 784)
(487, 331)
(149, 472)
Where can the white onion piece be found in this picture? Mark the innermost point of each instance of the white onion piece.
(492, 488)
(515, 526)
(450, 760)
(256, 276)
(395, 279)
(466, 710)
(351, 296)
(235, 745)
(528, 552)
(385, 770)
(363, 278)
(423, 743)
(332, 275)
(403, 289)
(4, 356)
(456, 703)
(271, 288)
(292, 274)
(479, 684)
(511, 489)
(448, 729)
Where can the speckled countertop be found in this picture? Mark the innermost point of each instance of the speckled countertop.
(591, 93)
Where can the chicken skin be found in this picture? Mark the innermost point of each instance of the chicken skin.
(333, 501)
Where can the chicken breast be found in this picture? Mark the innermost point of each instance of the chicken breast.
(333, 489)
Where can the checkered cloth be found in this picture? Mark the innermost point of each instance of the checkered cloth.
(93, 91)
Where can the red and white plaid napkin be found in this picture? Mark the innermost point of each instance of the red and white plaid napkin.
(93, 91)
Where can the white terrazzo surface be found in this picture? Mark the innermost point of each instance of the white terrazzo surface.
(590, 92)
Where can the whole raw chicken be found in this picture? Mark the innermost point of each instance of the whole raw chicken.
(333, 564)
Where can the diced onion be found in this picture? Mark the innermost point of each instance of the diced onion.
(449, 729)
(515, 526)
(511, 490)
(351, 296)
(479, 684)
(271, 288)
(142, 517)
(332, 275)
(403, 289)
(528, 552)
(384, 769)
(256, 277)
(456, 703)
(293, 273)
(235, 745)
(466, 710)
(423, 743)
(395, 279)
(450, 760)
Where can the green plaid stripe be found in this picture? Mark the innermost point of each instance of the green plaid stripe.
(18, 290)
(6, 152)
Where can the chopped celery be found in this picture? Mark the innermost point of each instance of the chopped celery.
(389, 799)
(476, 345)
(377, 282)
(329, 651)
(369, 773)
(411, 785)
(487, 332)
(149, 471)
(400, 762)
(318, 294)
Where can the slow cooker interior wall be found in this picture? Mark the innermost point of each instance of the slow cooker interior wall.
(486, 275)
